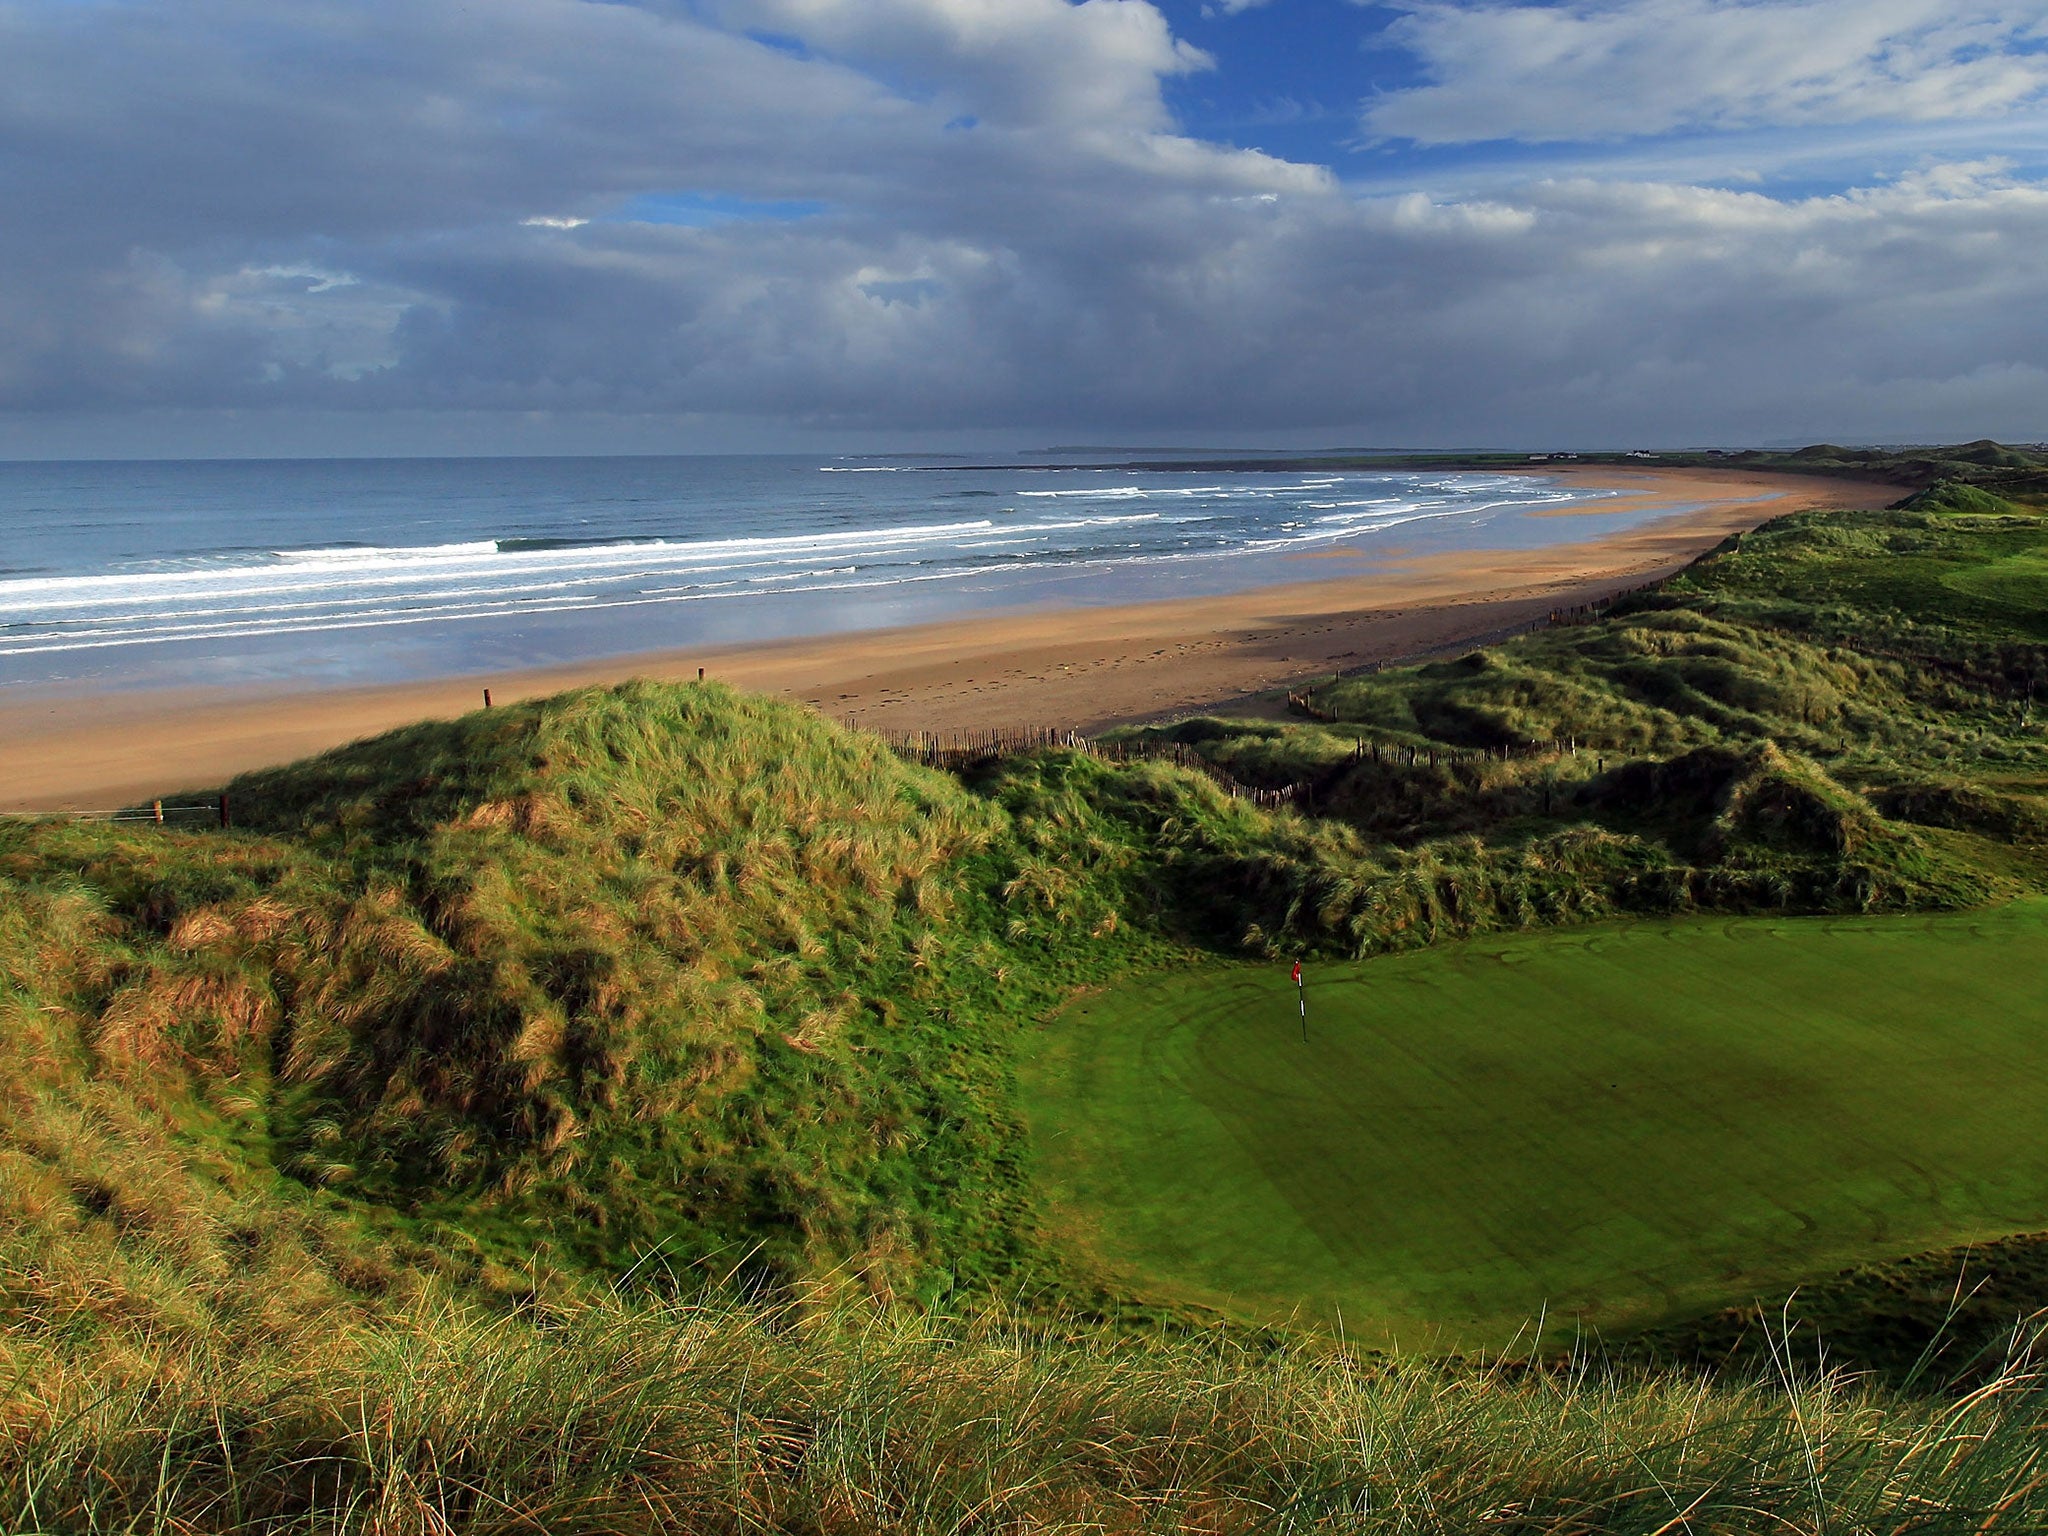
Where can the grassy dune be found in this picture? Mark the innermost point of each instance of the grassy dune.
(602, 1114)
(1609, 1126)
(657, 979)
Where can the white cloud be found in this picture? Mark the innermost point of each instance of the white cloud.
(1591, 70)
(357, 239)
(1659, 312)
(1009, 62)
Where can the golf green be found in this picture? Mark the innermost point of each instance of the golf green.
(1615, 1125)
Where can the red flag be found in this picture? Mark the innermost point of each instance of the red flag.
(1297, 973)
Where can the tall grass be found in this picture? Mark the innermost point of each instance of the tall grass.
(1835, 712)
(714, 1419)
(324, 1143)
(675, 970)
(660, 970)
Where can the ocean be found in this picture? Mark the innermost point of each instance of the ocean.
(121, 574)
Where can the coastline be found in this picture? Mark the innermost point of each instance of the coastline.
(1079, 668)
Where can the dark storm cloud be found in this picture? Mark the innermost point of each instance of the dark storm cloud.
(896, 215)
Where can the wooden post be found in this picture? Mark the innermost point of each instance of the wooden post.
(487, 698)
(700, 674)
(158, 807)
(224, 809)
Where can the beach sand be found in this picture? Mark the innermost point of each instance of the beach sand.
(1078, 668)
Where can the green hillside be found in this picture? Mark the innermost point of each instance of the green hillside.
(528, 1119)
(654, 977)
(671, 982)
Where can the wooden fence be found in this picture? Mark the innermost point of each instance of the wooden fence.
(213, 812)
(965, 749)
(1404, 754)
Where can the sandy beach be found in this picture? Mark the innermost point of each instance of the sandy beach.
(1080, 668)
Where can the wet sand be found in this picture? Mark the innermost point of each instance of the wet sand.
(1079, 668)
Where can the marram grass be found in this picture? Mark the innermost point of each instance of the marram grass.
(608, 1418)
(355, 1165)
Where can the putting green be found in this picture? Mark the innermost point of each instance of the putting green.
(2019, 581)
(1619, 1125)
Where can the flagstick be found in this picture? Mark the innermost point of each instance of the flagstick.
(1302, 993)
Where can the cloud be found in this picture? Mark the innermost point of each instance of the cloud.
(165, 152)
(1635, 67)
(1010, 62)
(1656, 311)
(904, 216)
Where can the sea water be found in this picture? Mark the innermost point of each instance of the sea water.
(201, 573)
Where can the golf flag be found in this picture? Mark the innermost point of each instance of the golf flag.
(1297, 973)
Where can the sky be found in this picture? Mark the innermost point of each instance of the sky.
(311, 227)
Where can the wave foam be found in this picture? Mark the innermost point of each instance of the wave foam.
(250, 592)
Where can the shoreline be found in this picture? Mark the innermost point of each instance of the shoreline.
(1074, 667)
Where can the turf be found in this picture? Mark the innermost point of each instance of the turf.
(1616, 1125)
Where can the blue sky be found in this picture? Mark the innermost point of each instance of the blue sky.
(1289, 77)
(676, 225)
(1296, 78)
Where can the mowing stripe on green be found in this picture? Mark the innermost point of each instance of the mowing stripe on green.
(1621, 1125)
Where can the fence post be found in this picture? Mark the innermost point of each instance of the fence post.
(158, 807)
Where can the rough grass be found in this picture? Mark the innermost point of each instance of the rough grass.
(1784, 723)
(640, 972)
(672, 989)
(606, 1418)
(659, 980)
(671, 980)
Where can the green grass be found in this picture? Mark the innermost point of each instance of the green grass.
(653, 981)
(353, 1163)
(674, 982)
(2018, 580)
(1619, 1125)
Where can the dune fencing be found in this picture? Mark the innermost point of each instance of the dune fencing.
(1587, 613)
(211, 812)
